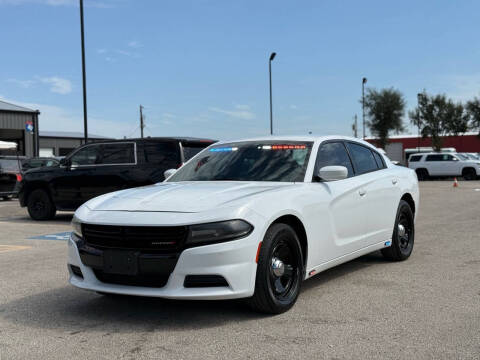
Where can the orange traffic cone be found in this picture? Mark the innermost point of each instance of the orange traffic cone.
(455, 182)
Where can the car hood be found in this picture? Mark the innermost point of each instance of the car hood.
(183, 196)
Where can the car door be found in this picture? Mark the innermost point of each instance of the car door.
(433, 163)
(381, 192)
(115, 169)
(342, 202)
(452, 165)
(76, 177)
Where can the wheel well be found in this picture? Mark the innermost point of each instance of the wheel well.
(297, 225)
(35, 186)
(409, 199)
(467, 168)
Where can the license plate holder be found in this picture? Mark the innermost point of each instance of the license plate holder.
(120, 262)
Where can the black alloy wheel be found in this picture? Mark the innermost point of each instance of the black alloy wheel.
(403, 234)
(40, 206)
(279, 271)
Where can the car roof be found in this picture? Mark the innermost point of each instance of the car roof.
(165, 138)
(301, 138)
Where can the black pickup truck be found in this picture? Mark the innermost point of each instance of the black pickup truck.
(101, 167)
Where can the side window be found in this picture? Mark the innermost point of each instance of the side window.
(415, 158)
(362, 158)
(159, 152)
(333, 153)
(434, 158)
(117, 153)
(190, 151)
(449, 158)
(86, 156)
(379, 160)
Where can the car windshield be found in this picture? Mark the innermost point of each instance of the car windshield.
(463, 157)
(248, 161)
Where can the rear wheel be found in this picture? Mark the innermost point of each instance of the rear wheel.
(403, 234)
(422, 174)
(469, 174)
(279, 271)
(40, 206)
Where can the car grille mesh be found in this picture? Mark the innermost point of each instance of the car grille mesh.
(161, 238)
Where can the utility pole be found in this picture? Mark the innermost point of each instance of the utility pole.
(355, 126)
(364, 81)
(141, 121)
(272, 56)
(84, 76)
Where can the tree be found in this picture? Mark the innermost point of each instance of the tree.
(473, 110)
(437, 116)
(385, 111)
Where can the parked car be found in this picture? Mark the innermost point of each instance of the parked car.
(102, 167)
(10, 173)
(248, 219)
(37, 162)
(444, 165)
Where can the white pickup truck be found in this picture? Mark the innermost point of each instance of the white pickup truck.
(443, 164)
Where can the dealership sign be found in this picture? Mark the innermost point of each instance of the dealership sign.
(29, 126)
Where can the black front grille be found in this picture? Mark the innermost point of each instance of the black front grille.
(195, 281)
(145, 280)
(76, 271)
(161, 238)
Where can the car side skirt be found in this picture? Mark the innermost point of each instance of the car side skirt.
(345, 258)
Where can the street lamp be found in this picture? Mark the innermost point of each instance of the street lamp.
(364, 81)
(419, 98)
(272, 56)
(84, 77)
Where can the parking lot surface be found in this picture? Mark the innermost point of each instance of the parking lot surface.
(425, 308)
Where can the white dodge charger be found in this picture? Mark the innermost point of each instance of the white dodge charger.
(246, 219)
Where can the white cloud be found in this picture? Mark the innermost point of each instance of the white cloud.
(168, 115)
(102, 51)
(22, 83)
(293, 107)
(465, 87)
(58, 84)
(135, 44)
(238, 113)
(242, 107)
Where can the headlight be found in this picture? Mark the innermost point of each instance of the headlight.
(211, 233)
(77, 227)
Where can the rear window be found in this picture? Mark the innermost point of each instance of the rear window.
(159, 152)
(9, 165)
(415, 158)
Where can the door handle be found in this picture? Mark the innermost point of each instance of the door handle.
(394, 181)
(362, 192)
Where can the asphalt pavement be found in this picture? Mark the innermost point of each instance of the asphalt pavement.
(427, 307)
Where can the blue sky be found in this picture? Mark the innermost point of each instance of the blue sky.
(200, 67)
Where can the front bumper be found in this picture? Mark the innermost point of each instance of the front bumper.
(233, 260)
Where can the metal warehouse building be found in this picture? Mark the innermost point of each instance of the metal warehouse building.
(19, 124)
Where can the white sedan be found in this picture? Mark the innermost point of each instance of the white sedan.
(247, 219)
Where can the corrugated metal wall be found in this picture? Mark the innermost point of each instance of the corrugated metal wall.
(16, 121)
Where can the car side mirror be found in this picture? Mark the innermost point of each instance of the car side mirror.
(332, 173)
(169, 173)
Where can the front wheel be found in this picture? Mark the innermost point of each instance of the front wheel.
(469, 174)
(40, 206)
(403, 234)
(279, 271)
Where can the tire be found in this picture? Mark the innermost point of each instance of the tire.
(279, 271)
(422, 174)
(403, 234)
(469, 174)
(40, 206)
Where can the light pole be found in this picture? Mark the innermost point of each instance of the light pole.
(84, 76)
(364, 81)
(419, 98)
(272, 56)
